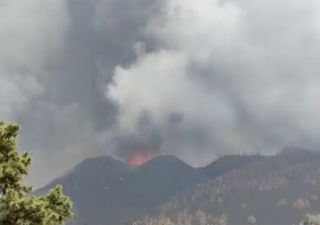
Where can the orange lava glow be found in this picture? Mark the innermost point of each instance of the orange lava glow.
(138, 158)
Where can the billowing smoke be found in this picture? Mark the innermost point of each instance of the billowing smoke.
(190, 78)
(26, 28)
(241, 75)
(56, 58)
(144, 140)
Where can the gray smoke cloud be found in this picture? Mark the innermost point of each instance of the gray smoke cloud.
(242, 75)
(192, 78)
(56, 58)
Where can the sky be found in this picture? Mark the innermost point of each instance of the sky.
(196, 79)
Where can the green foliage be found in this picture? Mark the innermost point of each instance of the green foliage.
(16, 206)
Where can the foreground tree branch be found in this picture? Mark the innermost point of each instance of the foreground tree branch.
(16, 206)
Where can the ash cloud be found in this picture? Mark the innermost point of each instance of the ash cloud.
(57, 57)
(192, 78)
(242, 73)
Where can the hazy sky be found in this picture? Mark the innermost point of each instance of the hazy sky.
(194, 78)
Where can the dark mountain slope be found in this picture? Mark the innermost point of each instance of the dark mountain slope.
(159, 179)
(106, 191)
(280, 190)
(93, 186)
(229, 162)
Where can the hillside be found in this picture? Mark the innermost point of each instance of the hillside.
(106, 191)
(280, 189)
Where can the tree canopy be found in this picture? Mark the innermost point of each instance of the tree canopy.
(17, 206)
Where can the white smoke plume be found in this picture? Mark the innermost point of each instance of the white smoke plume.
(242, 75)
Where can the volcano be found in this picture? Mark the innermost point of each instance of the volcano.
(107, 191)
(139, 158)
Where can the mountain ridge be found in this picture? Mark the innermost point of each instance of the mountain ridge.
(106, 190)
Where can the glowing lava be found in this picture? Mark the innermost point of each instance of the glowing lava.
(139, 158)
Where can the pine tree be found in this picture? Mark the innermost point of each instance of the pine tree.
(17, 206)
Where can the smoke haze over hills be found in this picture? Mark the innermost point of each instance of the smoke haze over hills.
(195, 79)
(275, 189)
